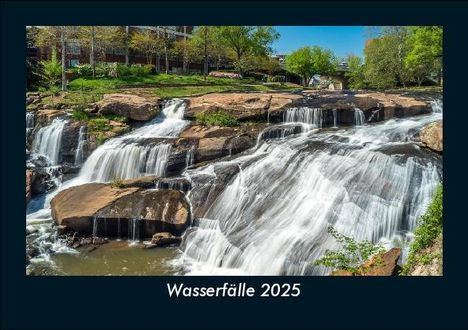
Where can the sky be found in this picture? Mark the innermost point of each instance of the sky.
(342, 40)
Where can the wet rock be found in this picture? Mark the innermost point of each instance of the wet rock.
(243, 106)
(69, 142)
(165, 238)
(177, 183)
(46, 116)
(62, 230)
(131, 106)
(29, 175)
(432, 136)
(112, 211)
(42, 180)
(145, 182)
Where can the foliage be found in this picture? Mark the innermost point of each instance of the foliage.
(355, 75)
(146, 42)
(80, 115)
(51, 70)
(430, 228)
(401, 56)
(247, 42)
(308, 61)
(218, 118)
(99, 124)
(105, 39)
(352, 255)
(425, 52)
(117, 183)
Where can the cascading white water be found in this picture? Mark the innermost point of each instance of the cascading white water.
(335, 118)
(359, 118)
(371, 182)
(437, 106)
(30, 119)
(80, 146)
(138, 153)
(48, 140)
(128, 156)
(311, 116)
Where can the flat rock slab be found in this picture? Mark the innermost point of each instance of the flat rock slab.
(243, 106)
(129, 105)
(114, 212)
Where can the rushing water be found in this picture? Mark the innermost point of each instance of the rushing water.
(271, 213)
(138, 153)
(48, 140)
(135, 154)
(80, 146)
(359, 118)
(370, 182)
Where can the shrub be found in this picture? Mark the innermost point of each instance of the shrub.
(149, 69)
(83, 70)
(80, 115)
(353, 254)
(218, 118)
(123, 70)
(118, 118)
(99, 124)
(430, 228)
(277, 79)
(117, 182)
(51, 70)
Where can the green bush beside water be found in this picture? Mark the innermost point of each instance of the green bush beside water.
(429, 230)
(218, 118)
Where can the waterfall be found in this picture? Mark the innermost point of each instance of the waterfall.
(30, 119)
(271, 218)
(48, 140)
(80, 145)
(141, 152)
(190, 158)
(359, 118)
(311, 116)
(437, 106)
(335, 118)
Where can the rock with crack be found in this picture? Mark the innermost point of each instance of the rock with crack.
(98, 208)
(131, 106)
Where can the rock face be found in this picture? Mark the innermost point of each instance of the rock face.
(46, 116)
(131, 106)
(379, 265)
(243, 106)
(432, 136)
(165, 238)
(198, 144)
(29, 174)
(120, 212)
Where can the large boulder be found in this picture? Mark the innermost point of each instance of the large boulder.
(243, 106)
(131, 106)
(120, 212)
(46, 116)
(432, 136)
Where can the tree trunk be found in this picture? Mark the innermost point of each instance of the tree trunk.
(205, 66)
(305, 80)
(166, 58)
(184, 61)
(64, 76)
(91, 54)
(158, 56)
(127, 35)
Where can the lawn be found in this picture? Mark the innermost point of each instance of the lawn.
(83, 91)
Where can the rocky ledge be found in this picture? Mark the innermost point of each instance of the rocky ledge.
(109, 211)
(131, 106)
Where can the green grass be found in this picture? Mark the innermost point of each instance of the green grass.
(218, 118)
(429, 230)
(152, 80)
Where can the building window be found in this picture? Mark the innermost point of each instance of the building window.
(74, 48)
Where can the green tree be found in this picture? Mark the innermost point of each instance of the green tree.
(187, 51)
(246, 42)
(308, 61)
(146, 42)
(51, 70)
(355, 73)
(424, 57)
